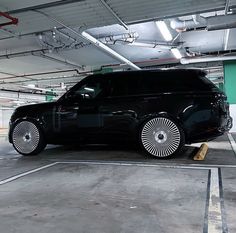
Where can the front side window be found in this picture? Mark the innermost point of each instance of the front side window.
(90, 89)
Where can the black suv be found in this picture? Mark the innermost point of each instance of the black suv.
(160, 109)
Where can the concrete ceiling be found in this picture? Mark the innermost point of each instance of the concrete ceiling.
(40, 51)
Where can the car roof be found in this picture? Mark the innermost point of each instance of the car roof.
(198, 72)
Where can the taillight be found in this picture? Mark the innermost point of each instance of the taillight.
(221, 102)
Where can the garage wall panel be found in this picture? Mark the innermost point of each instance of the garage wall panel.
(5, 115)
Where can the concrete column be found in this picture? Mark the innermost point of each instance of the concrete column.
(230, 88)
(1, 119)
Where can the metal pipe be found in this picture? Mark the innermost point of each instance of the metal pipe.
(38, 52)
(10, 33)
(12, 19)
(65, 35)
(113, 53)
(206, 59)
(114, 14)
(59, 61)
(37, 74)
(96, 42)
(126, 37)
(183, 25)
(227, 7)
(60, 23)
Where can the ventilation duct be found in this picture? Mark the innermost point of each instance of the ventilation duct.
(206, 59)
(210, 23)
(221, 22)
(126, 37)
(183, 25)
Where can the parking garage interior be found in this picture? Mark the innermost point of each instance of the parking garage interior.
(46, 47)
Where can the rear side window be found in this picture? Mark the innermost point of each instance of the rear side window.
(124, 84)
(174, 81)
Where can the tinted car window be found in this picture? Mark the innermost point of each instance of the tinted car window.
(89, 89)
(124, 84)
(159, 82)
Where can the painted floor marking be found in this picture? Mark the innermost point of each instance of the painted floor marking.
(26, 173)
(232, 142)
(117, 163)
(214, 208)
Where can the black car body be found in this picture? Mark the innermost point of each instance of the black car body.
(162, 109)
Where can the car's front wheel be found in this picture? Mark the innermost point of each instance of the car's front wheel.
(161, 137)
(27, 138)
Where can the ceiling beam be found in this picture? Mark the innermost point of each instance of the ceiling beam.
(43, 6)
(227, 6)
(114, 14)
(40, 53)
(65, 62)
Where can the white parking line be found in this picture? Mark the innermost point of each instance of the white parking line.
(26, 173)
(214, 208)
(138, 164)
(214, 219)
(232, 142)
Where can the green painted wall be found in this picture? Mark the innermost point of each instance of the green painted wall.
(230, 80)
(49, 96)
(222, 87)
(104, 71)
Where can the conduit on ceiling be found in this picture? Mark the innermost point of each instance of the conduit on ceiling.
(12, 20)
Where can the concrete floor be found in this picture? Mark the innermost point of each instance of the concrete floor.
(104, 190)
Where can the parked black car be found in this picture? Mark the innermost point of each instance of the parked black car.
(161, 109)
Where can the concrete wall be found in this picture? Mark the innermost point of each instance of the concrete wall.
(232, 109)
(5, 115)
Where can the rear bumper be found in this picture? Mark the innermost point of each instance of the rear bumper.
(209, 133)
(227, 126)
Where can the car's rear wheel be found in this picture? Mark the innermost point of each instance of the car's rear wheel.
(161, 137)
(27, 138)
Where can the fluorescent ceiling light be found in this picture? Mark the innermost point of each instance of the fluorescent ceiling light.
(164, 30)
(176, 53)
(31, 85)
(110, 51)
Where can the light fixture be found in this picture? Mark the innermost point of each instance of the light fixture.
(31, 85)
(176, 53)
(164, 30)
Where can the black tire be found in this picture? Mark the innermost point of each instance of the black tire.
(161, 137)
(27, 138)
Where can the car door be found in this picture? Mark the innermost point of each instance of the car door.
(120, 109)
(77, 116)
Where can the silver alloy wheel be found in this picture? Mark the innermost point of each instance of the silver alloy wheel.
(160, 137)
(25, 137)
